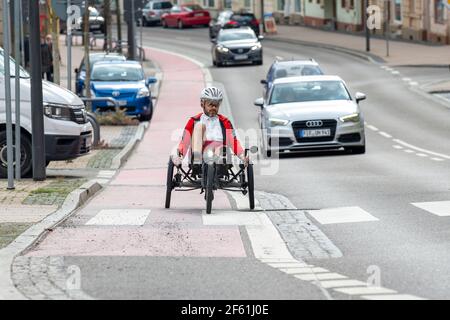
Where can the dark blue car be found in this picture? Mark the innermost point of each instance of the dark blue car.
(125, 82)
(93, 58)
(290, 68)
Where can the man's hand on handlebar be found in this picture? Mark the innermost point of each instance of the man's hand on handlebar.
(245, 159)
(177, 160)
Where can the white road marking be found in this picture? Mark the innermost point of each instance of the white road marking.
(233, 218)
(384, 134)
(373, 128)
(439, 208)
(305, 270)
(392, 297)
(342, 215)
(407, 79)
(440, 155)
(397, 147)
(395, 72)
(364, 290)
(295, 264)
(120, 217)
(422, 155)
(413, 83)
(341, 283)
(437, 159)
(319, 276)
(408, 151)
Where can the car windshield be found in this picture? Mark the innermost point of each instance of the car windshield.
(12, 68)
(162, 5)
(309, 91)
(242, 18)
(97, 58)
(193, 7)
(117, 72)
(93, 12)
(297, 70)
(236, 36)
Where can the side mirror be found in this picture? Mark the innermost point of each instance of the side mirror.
(151, 80)
(264, 82)
(359, 96)
(259, 102)
(260, 38)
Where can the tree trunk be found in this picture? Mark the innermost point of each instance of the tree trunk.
(119, 23)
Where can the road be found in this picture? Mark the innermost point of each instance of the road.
(407, 162)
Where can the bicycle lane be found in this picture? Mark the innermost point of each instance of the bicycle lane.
(125, 233)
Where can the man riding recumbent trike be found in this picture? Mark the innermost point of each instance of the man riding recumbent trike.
(210, 138)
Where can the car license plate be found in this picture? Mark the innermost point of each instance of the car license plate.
(122, 103)
(240, 57)
(315, 133)
(95, 26)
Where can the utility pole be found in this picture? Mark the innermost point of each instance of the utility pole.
(9, 127)
(17, 43)
(131, 32)
(37, 116)
(107, 14)
(262, 17)
(87, 51)
(388, 26)
(366, 27)
(119, 24)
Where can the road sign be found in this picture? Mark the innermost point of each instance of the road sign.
(60, 7)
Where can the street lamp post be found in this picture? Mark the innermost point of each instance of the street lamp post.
(262, 17)
(366, 27)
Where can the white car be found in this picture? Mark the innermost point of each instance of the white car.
(311, 113)
(68, 132)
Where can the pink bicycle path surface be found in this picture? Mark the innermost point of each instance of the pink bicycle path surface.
(140, 184)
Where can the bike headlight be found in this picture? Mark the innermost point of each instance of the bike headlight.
(144, 92)
(222, 49)
(256, 47)
(278, 122)
(56, 111)
(355, 117)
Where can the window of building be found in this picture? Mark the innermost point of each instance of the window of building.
(208, 3)
(398, 10)
(298, 6)
(281, 4)
(439, 12)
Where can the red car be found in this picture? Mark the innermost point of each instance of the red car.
(186, 15)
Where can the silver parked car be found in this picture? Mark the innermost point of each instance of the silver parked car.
(311, 113)
(152, 12)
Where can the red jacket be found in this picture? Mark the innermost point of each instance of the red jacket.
(230, 138)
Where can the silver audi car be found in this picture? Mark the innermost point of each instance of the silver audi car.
(311, 113)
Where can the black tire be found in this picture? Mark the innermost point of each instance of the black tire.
(26, 151)
(357, 150)
(146, 117)
(209, 188)
(169, 184)
(96, 129)
(259, 63)
(251, 186)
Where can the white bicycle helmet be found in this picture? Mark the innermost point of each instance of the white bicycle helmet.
(212, 94)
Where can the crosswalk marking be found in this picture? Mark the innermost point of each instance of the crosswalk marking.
(319, 276)
(289, 265)
(364, 290)
(120, 217)
(341, 283)
(342, 215)
(392, 297)
(303, 270)
(233, 218)
(439, 208)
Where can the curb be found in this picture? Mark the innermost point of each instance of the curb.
(36, 232)
(120, 159)
(359, 54)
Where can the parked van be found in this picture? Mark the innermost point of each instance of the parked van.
(68, 133)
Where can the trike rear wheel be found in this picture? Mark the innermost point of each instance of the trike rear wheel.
(209, 188)
(251, 186)
(169, 184)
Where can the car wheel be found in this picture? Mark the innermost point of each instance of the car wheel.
(180, 24)
(259, 63)
(26, 155)
(357, 150)
(146, 117)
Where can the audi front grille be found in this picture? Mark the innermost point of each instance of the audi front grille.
(326, 124)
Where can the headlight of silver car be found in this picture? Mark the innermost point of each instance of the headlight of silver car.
(256, 47)
(222, 49)
(144, 92)
(278, 122)
(57, 111)
(355, 117)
